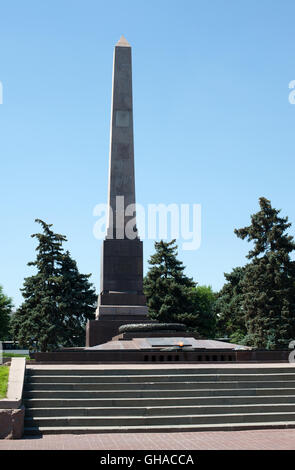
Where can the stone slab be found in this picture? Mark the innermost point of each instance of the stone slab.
(123, 310)
(122, 298)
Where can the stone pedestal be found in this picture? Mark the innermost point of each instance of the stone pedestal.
(121, 300)
(121, 277)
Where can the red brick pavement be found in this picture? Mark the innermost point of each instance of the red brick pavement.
(279, 439)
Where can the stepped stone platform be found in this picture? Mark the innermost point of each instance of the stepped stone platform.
(160, 346)
(160, 341)
(152, 348)
(130, 398)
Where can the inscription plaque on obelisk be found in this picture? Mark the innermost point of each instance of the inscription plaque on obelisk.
(121, 299)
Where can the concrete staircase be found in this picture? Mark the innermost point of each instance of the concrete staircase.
(153, 400)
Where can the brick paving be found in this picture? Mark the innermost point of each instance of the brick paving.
(275, 439)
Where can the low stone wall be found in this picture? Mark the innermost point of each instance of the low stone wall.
(11, 410)
(262, 355)
(139, 356)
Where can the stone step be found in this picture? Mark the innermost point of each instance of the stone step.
(160, 410)
(87, 394)
(139, 402)
(127, 420)
(118, 380)
(238, 426)
(167, 378)
(28, 387)
(161, 371)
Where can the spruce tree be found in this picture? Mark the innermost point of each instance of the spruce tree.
(43, 319)
(228, 307)
(268, 285)
(76, 300)
(167, 288)
(5, 312)
(37, 321)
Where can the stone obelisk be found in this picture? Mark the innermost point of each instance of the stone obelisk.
(121, 298)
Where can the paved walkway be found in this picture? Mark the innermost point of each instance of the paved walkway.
(218, 440)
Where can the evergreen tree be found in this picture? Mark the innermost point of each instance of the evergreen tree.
(203, 299)
(5, 312)
(268, 284)
(41, 321)
(76, 302)
(166, 286)
(37, 321)
(228, 307)
(174, 297)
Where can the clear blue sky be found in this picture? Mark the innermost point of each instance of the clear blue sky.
(213, 124)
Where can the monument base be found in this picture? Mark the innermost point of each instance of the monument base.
(108, 320)
(113, 312)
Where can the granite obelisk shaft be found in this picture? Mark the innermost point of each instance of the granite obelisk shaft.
(121, 298)
(121, 163)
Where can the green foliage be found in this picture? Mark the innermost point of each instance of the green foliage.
(4, 372)
(5, 312)
(174, 297)
(166, 286)
(228, 307)
(37, 321)
(268, 285)
(76, 301)
(203, 299)
(238, 337)
(57, 299)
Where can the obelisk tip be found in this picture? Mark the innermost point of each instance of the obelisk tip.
(123, 42)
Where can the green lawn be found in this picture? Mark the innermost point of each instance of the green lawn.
(16, 355)
(4, 371)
